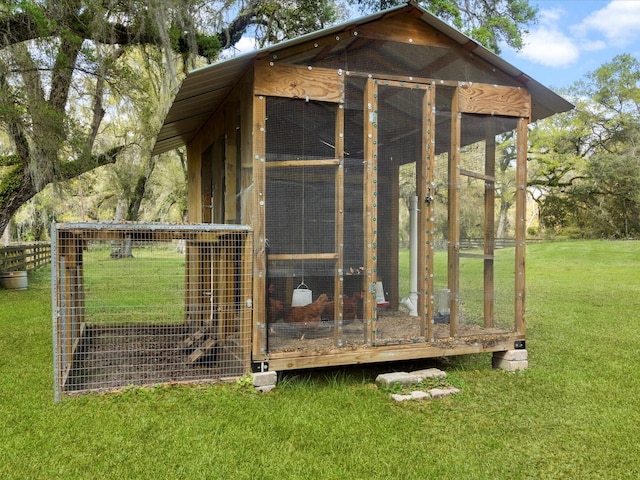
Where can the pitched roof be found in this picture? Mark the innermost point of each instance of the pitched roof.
(205, 89)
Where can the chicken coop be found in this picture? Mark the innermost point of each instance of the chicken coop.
(380, 166)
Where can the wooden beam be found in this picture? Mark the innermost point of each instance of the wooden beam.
(407, 30)
(392, 284)
(370, 212)
(453, 265)
(494, 100)
(521, 224)
(489, 224)
(294, 81)
(304, 256)
(259, 228)
(231, 162)
(338, 289)
(194, 181)
(392, 353)
(304, 163)
(425, 191)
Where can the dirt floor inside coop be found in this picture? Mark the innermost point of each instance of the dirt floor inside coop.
(391, 328)
(113, 357)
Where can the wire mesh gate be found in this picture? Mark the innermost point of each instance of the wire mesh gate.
(141, 304)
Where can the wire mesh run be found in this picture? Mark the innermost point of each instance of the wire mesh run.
(149, 304)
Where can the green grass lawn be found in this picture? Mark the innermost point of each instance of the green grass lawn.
(575, 413)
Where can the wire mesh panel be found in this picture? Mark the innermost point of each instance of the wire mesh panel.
(487, 235)
(304, 189)
(146, 304)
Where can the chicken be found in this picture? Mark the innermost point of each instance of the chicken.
(274, 310)
(351, 308)
(308, 317)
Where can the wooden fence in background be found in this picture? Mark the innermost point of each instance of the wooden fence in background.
(24, 257)
(33, 255)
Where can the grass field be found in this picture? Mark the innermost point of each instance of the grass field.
(575, 413)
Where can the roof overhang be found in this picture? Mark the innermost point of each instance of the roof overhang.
(204, 90)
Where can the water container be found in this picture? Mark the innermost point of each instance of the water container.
(14, 280)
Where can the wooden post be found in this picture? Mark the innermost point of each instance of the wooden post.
(231, 162)
(339, 233)
(370, 122)
(521, 226)
(454, 216)
(424, 181)
(392, 282)
(260, 265)
(489, 223)
(246, 294)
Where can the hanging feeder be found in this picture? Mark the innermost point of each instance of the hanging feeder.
(302, 295)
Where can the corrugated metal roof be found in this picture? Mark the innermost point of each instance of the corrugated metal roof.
(204, 89)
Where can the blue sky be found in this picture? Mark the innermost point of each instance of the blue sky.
(574, 37)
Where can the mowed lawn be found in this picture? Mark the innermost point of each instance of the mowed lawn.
(575, 413)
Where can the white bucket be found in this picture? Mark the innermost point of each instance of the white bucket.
(380, 294)
(302, 296)
(14, 280)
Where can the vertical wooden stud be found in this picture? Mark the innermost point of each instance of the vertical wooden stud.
(339, 222)
(424, 182)
(370, 122)
(489, 223)
(521, 211)
(259, 227)
(231, 162)
(454, 216)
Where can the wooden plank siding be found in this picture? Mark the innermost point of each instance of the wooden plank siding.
(292, 81)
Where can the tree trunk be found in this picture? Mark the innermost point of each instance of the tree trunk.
(503, 221)
(17, 189)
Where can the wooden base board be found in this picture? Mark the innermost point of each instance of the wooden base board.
(390, 353)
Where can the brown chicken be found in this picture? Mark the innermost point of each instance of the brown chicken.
(308, 317)
(274, 310)
(351, 308)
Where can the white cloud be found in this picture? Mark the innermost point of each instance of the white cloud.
(618, 23)
(548, 46)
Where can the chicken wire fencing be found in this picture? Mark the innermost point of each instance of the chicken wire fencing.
(137, 304)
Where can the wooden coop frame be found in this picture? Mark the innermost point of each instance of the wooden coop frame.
(221, 115)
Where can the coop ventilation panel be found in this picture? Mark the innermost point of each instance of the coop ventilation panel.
(149, 304)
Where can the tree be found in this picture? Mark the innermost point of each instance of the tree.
(488, 21)
(61, 60)
(584, 163)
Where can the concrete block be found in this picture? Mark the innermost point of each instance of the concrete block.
(389, 379)
(429, 373)
(401, 398)
(517, 355)
(419, 395)
(266, 388)
(510, 365)
(443, 392)
(263, 379)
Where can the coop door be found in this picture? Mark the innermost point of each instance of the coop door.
(398, 195)
(303, 212)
